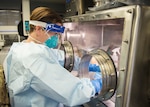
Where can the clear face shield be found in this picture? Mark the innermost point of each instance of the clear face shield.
(55, 40)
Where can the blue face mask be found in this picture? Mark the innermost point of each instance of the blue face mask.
(52, 41)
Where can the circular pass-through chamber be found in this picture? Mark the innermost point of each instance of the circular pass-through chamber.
(107, 69)
(66, 46)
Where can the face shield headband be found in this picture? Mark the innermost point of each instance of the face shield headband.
(48, 26)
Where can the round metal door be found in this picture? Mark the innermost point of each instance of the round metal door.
(66, 46)
(107, 69)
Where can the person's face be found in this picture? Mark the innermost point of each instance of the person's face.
(54, 39)
(43, 35)
(50, 33)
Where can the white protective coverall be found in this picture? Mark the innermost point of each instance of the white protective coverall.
(36, 78)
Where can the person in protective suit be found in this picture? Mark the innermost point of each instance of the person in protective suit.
(34, 69)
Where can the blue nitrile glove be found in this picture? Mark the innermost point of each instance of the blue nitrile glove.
(97, 82)
(94, 68)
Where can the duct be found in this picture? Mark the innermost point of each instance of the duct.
(106, 4)
(135, 2)
(77, 7)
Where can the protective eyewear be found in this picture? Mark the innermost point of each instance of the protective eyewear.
(48, 26)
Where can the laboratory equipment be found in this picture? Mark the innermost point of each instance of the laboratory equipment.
(123, 33)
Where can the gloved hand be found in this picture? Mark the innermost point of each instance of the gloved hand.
(97, 82)
(94, 68)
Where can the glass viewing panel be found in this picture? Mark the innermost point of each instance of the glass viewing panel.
(98, 34)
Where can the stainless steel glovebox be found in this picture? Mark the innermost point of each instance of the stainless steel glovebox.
(120, 36)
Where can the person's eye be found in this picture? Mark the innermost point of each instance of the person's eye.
(57, 34)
